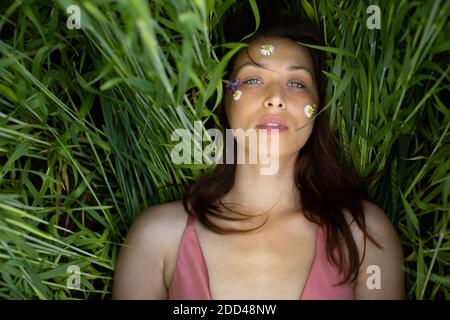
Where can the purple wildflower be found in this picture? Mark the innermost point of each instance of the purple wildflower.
(232, 85)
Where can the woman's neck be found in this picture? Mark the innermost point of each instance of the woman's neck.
(271, 195)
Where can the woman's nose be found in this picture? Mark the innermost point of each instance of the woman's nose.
(274, 99)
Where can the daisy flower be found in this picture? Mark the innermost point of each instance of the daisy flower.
(237, 95)
(266, 49)
(310, 110)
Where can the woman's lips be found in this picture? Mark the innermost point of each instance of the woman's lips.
(272, 122)
(270, 128)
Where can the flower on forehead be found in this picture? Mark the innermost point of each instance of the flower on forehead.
(232, 85)
(310, 110)
(237, 95)
(266, 49)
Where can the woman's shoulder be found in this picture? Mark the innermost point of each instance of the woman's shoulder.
(378, 224)
(379, 227)
(376, 220)
(383, 262)
(388, 256)
(166, 219)
(151, 238)
(160, 225)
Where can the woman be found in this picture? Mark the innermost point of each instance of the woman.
(306, 225)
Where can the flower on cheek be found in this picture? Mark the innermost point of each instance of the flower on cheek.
(231, 85)
(310, 110)
(237, 95)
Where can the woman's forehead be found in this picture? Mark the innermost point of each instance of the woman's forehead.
(274, 53)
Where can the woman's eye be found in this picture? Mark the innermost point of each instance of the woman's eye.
(296, 84)
(252, 81)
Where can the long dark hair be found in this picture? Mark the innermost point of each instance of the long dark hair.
(326, 182)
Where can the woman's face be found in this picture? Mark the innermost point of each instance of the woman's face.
(281, 88)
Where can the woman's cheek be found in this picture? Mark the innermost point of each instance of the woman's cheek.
(247, 93)
(239, 95)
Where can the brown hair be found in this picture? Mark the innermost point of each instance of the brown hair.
(328, 185)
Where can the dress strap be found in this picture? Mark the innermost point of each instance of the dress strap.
(191, 220)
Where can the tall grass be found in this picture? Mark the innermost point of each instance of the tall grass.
(86, 118)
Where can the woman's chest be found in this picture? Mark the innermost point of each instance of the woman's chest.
(274, 264)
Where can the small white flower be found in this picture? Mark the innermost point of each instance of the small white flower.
(266, 49)
(309, 110)
(237, 95)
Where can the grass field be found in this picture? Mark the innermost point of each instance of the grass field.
(86, 117)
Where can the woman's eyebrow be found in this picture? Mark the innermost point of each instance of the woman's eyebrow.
(250, 64)
(289, 68)
(295, 68)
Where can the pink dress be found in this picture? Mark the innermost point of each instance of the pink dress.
(191, 281)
